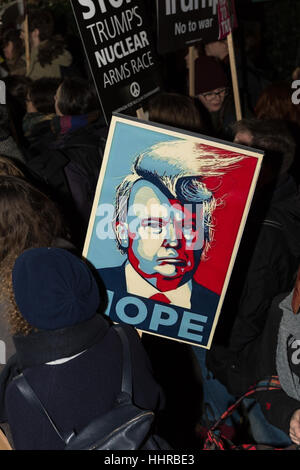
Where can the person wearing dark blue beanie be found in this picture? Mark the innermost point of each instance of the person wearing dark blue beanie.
(54, 289)
(68, 353)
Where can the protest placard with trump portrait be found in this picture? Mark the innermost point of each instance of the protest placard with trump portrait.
(168, 215)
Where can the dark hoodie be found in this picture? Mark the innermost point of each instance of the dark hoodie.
(69, 164)
(274, 261)
(266, 266)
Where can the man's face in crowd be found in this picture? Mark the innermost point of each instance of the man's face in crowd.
(33, 35)
(165, 238)
(266, 175)
(217, 49)
(243, 138)
(213, 100)
(22, 31)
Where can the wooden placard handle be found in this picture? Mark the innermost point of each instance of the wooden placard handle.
(234, 78)
(141, 114)
(191, 65)
(26, 38)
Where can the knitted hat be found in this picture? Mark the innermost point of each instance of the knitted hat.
(53, 288)
(209, 75)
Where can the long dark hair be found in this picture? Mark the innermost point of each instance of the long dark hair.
(28, 219)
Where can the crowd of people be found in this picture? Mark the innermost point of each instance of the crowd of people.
(52, 301)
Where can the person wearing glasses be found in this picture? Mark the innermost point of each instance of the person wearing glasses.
(213, 100)
(212, 89)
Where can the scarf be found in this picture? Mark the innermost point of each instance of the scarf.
(62, 125)
(46, 346)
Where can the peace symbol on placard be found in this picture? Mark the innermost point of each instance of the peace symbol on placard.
(135, 89)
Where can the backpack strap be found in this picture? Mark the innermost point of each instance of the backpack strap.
(126, 371)
(30, 396)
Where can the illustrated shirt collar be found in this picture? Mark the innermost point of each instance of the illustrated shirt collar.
(136, 285)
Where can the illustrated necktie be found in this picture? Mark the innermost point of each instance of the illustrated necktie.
(160, 298)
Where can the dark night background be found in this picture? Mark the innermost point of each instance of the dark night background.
(268, 36)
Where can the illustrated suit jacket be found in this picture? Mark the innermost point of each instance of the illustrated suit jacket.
(203, 300)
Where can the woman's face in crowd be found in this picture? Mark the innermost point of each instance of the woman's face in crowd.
(213, 99)
(30, 108)
(8, 50)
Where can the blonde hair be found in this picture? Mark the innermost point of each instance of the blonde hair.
(17, 324)
(9, 168)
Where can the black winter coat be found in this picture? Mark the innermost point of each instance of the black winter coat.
(266, 266)
(78, 390)
(70, 168)
(260, 362)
